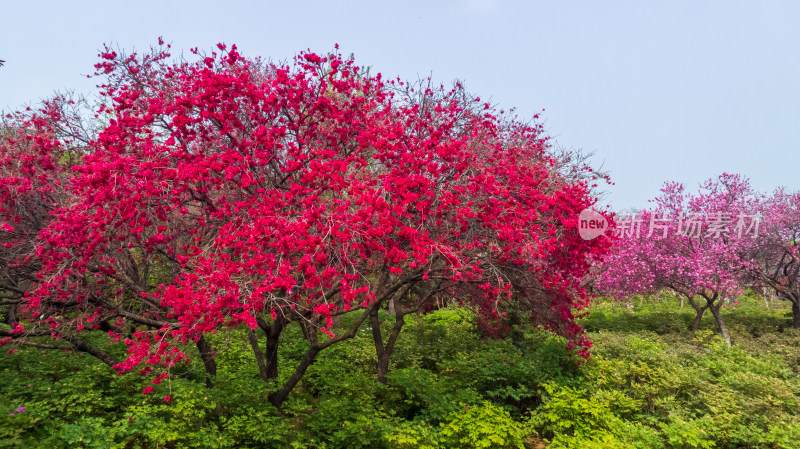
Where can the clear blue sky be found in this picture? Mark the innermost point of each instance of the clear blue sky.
(671, 90)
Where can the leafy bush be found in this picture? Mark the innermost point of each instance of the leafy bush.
(482, 426)
(642, 389)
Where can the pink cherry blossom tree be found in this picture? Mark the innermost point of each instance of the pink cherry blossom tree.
(775, 250)
(690, 243)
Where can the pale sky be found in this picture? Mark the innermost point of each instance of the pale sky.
(670, 90)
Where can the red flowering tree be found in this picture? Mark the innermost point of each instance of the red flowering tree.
(228, 191)
(692, 244)
(508, 221)
(36, 149)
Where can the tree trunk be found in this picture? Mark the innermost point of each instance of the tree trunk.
(209, 363)
(271, 350)
(262, 366)
(699, 313)
(380, 352)
(276, 398)
(384, 352)
(722, 328)
(267, 360)
(12, 315)
(796, 314)
(698, 317)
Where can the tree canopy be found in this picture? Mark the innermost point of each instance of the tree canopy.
(229, 191)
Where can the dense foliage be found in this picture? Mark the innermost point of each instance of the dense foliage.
(650, 385)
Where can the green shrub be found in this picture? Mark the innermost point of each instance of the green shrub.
(482, 426)
(651, 383)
